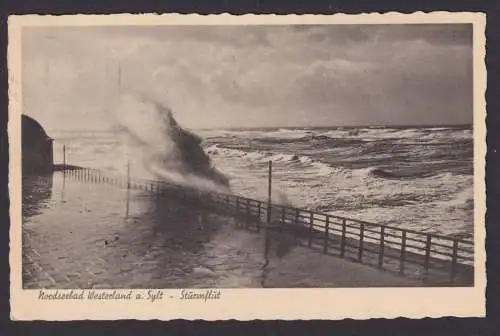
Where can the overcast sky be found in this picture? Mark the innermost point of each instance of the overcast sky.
(251, 76)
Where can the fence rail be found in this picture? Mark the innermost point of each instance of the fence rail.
(332, 234)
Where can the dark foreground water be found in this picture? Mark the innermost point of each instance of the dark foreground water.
(81, 235)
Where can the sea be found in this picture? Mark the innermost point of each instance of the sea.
(418, 178)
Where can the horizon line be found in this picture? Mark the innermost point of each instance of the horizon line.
(457, 125)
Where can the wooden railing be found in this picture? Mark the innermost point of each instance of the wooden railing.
(361, 241)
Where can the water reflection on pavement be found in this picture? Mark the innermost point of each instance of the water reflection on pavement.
(78, 234)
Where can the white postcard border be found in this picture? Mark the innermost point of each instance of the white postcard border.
(248, 304)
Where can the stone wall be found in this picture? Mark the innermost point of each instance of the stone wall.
(37, 151)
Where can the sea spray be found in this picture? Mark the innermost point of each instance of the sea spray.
(169, 152)
(166, 150)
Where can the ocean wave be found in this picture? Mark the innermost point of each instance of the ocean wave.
(320, 168)
(259, 134)
(353, 137)
(400, 174)
(439, 129)
(398, 134)
(170, 151)
(216, 150)
(378, 172)
(312, 165)
(462, 200)
(347, 136)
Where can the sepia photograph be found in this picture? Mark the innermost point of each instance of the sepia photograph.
(250, 156)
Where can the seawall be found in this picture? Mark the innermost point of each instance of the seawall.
(81, 234)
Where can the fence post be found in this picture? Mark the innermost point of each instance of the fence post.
(403, 253)
(297, 213)
(342, 242)
(245, 210)
(427, 252)
(127, 210)
(269, 193)
(64, 156)
(361, 241)
(259, 204)
(454, 259)
(381, 247)
(327, 227)
(311, 232)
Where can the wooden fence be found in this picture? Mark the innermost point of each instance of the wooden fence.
(345, 237)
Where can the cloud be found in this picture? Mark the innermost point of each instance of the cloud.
(253, 75)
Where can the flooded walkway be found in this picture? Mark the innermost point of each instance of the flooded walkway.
(82, 235)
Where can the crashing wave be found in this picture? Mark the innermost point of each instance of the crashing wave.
(169, 151)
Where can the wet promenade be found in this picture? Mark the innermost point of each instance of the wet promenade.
(82, 235)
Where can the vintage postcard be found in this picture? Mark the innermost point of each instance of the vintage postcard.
(247, 167)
